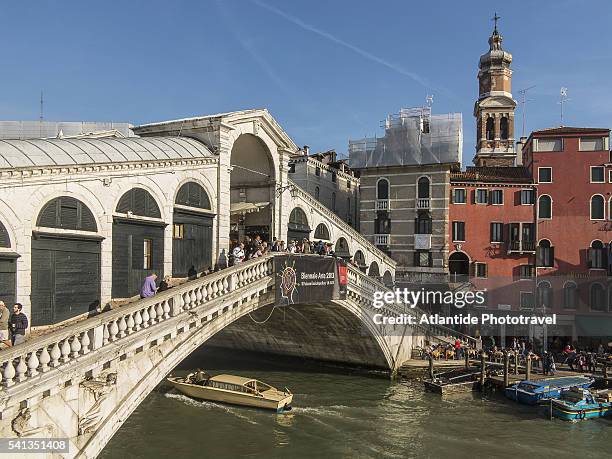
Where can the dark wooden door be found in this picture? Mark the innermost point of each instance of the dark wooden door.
(8, 277)
(65, 278)
(129, 269)
(191, 244)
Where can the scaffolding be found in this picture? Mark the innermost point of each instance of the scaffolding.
(412, 137)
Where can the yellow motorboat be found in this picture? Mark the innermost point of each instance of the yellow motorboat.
(235, 390)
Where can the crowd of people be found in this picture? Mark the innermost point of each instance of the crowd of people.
(13, 325)
(256, 247)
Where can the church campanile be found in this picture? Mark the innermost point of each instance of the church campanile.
(494, 109)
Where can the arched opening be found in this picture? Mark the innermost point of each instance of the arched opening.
(544, 207)
(192, 231)
(490, 129)
(138, 243)
(388, 279)
(570, 295)
(459, 267)
(66, 262)
(597, 207)
(598, 297)
(317, 193)
(504, 128)
(545, 255)
(298, 228)
(597, 257)
(252, 181)
(8, 269)
(360, 260)
(373, 270)
(423, 188)
(382, 189)
(321, 232)
(544, 295)
(341, 249)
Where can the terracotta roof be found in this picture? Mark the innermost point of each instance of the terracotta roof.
(568, 130)
(493, 174)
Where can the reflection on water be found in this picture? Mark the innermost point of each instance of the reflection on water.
(337, 414)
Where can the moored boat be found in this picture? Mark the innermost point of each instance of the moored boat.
(531, 392)
(576, 404)
(235, 390)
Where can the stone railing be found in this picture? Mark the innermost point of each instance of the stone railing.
(58, 349)
(350, 231)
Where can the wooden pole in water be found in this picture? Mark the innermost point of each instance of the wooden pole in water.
(506, 369)
(431, 367)
(483, 366)
(467, 358)
(516, 362)
(528, 369)
(604, 370)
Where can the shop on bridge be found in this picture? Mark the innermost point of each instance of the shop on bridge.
(298, 228)
(8, 269)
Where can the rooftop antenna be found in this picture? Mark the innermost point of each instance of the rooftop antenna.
(564, 99)
(429, 100)
(524, 100)
(41, 114)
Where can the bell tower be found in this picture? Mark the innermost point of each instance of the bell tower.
(494, 109)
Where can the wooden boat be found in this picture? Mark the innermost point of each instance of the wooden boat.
(531, 392)
(235, 390)
(576, 404)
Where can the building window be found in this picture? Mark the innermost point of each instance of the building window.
(544, 174)
(598, 174)
(544, 295)
(423, 259)
(334, 177)
(570, 295)
(423, 188)
(610, 173)
(497, 197)
(497, 232)
(348, 184)
(545, 254)
(292, 168)
(482, 196)
(317, 193)
(598, 297)
(382, 189)
(178, 231)
(592, 144)
(597, 207)
(459, 196)
(527, 197)
(544, 207)
(147, 254)
(480, 270)
(503, 126)
(333, 203)
(459, 231)
(423, 223)
(526, 300)
(526, 271)
(318, 171)
(490, 129)
(550, 144)
(382, 225)
(597, 256)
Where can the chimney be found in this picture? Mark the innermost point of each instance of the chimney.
(519, 150)
(306, 150)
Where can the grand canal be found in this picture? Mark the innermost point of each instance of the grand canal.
(341, 413)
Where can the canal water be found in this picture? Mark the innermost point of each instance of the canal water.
(342, 413)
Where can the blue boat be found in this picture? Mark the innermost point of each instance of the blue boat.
(531, 392)
(577, 404)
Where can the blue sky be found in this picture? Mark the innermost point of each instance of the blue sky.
(327, 70)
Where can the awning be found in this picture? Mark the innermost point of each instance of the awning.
(595, 325)
(242, 208)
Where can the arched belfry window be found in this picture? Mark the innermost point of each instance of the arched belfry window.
(193, 195)
(490, 128)
(382, 189)
(138, 202)
(5, 240)
(504, 128)
(68, 213)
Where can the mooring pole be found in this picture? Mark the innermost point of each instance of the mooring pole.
(467, 358)
(506, 369)
(516, 362)
(483, 369)
(431, 367)
(528, 369)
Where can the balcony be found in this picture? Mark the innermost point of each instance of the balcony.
(382, 204)
(522, 247)
(423, 203)
(381, 239)
(422, 241)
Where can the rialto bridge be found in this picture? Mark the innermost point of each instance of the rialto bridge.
(82, 381)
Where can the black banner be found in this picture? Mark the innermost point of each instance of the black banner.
(309, 279)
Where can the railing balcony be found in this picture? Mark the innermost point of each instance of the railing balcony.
(382, 204)
(381, 239)
(423, 203)
(521, 246)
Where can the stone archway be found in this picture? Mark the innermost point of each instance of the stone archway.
(459, 267)
(374, 271)
(342, 249)
(252, 181)
(360, 260)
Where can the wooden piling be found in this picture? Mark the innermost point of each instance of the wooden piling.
(467, 358)
(506, 369)
(528, 369)
(516, 362)
(431, 367)
(483, 369)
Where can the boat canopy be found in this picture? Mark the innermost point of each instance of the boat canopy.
(231, 379)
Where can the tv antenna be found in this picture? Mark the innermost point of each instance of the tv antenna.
(40, 119)
(564, 99)
(524, 100)
(429, 100)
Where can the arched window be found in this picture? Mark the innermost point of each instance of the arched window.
(597, 255)
(544, 295)
(5, 240)
(67, 213)
(544, 207)
(382, 189)
(138, 202)
(503, 127)
(322, 232)
(423, 188)
(570, 295)
(598, 297)
(317, 193)
(423, 223)
(490, 128)
(359, 258)
(545, 254)
(597, 207)
(193, 195)
(373, 271)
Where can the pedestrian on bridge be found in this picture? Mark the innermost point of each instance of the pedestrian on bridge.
(238, 253)
(19, 324)
(148, 286)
